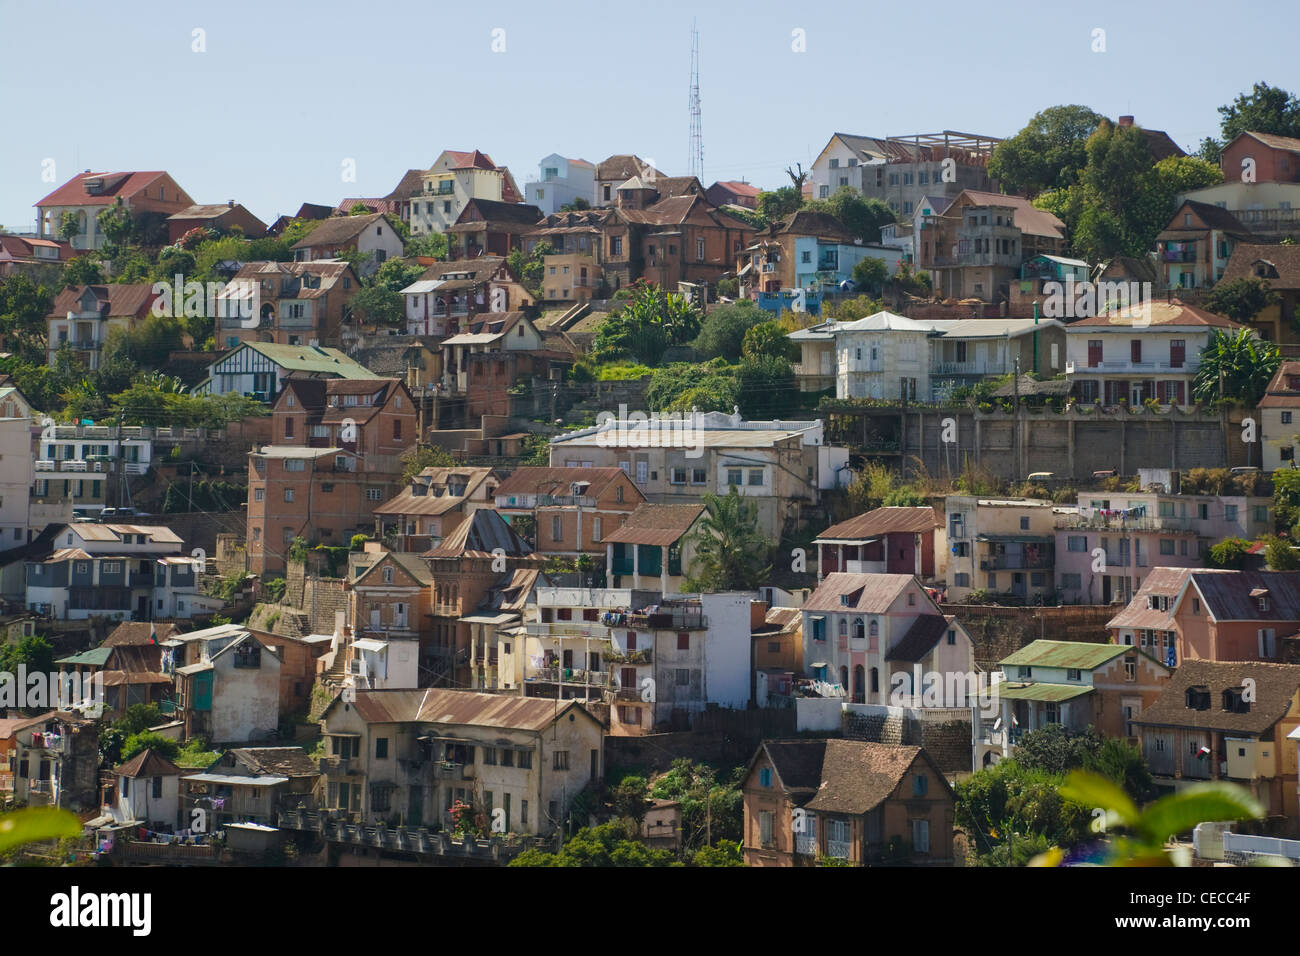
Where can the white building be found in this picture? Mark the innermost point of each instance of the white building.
(453, 180)
(147, 792)
(560, 182)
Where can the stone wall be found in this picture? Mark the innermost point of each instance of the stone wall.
(999, 632)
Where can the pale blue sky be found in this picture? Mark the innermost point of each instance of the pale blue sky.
(287, 91)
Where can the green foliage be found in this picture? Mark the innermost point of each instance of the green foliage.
(862, 218)
(769, 340)
(723, 331)
(577, 205)
(379, 305)
(298, 549)
(850, 310)
(156, 401)
(81, 270)
(1265, 109)
(530, 267)
(69, 228)
(870, 275)
(629, 798)
(150, 740)
(1048, 153)
(650, 322)
(35, 653)
(206, 494)
(35, 824)
(623, 372)
(1003, 804)
(1286, 496)
(731, 554)
(904, 498)
(1241, 299)
(601, 846)
(1230, 553)
(779, 203)
(195, 753)
(537, 451)
(431, 245)
(419, 457)
(139, 717)
(766, 387)
(1056, 750)
(710, 804)
(1243, 362)
(273, 589)
(723, 853)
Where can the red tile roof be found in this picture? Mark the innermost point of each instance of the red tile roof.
(1174, 312)
(126, 185)
(1280, 393)
(873, 593)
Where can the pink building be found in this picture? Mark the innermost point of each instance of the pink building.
(883, 541)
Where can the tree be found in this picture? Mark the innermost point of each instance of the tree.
(603, 846)
(643, 328)
(779, 203)
(859, 307)
(150, 740)
(81, 270)
(419, 457)
(767, 386)
(1118, 159)
(380, 305)
(870, 275)
(432, 245)
(862, 218)
(724, 853)
(24, 305)
(1230, 553)
(116, 223)
(683, 386)
(1279, 553)
(69, 228)
(359, 209)
(578, 205)
(1265, 109)
(530, 267)
(730, 552)
(1241, 299)
(769, 339)
(1003, 805)
(1048, 153)
(723, 330)
(629, 798)
(1243, 364)
(35, 653)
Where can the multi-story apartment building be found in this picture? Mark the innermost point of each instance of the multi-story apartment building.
(372, 236)
(82, 316)
(1005, 546)
(881, 639)
(298, 303)
(1105, 550)
(1194, 248)
(390, 597)
(573, 510)
(927, 166)
(117, 571)
(413, 754)
(559, 182)
(780, 465)
(431, 506)
(334, 457)
(1132, 355)
(149, 198)
(453, 180)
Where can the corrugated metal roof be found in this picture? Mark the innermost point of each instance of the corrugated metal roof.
(871, 593)
(1041, 692)
(652, 524)
(461, 707)
(883, 521)
(1069, 654)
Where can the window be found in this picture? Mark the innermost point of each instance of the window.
(388, 575)
(765, 777)
(1024, 523)
(952, 636)
(295, 464)
(1130, 668)
(735, 476)
(699, 476)
(1077, 542)
(561, 760)
(157, 788)
(557, 528)
(288, 494)
(699, 249)
(381, 748)
(1166, 545)
(920, 785)
(397, 425)
(1073, 673)
(1229, 512)
(677, 476)
(683, 641)
(1286, 418)
(920, 836)
(765, 816)
(374, 494)
(683, 677)
(755, 476)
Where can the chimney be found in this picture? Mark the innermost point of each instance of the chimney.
(230, 203)
(1126, 121)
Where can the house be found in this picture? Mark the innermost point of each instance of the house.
(1278, 266)
(1040, 276)
(1220, 720)
(26, 253)
(259, 369)
(882, 356)
(805, 250)
(661, 826)
(733, 193)
(432, 504)
(490, 227)
(1235, 617)
(149, 197)
(659, 659)
(297, 303)
(1144, 530)
(655, 541)
(566, 502)
(886, 634)
(926, 165)
(451, 182)
(373, 236)
(295, 666)
(82, 316)
(888, 540)
(777, 654)
(132, 674)
(1279, 429)
(497, 624)
(231, 694)
(118, 571)
(573, 270)
(397, 204)
(229, 218)
(449, 294)
(1261, 188)
(1075, 684)
(495, 351)
(616, 170)
(147, 792)
(390, 602)
(848, 800)
(1194, 248)
(1147, 621)
(55, 761)
(335, 456)
(1003, 545)
(780, 465)
(1130, 356)
(412, 754)
(816, 369)
(560, 182)
(251, 784)
(976, 246)
(836, 166)
(466, 565)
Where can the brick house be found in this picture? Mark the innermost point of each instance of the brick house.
(1147, 621)
(82, 317)
(1228, 721)
(373, 236)
(890, 540)
(1235, 617)
(1278, 422)
(1279, 266)
(448, 294)
(150, 197)
(495, 352)
(223, 218)
(299, 303)
(335, 456)
(732, 193)
(574, 509)
(1273, 159)
(1194, 247)
(391, 600)
(432, 504)
(487, 227)
(849, 800)
(574, 270)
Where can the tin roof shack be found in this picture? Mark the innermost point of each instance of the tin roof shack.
(1228, 721)
(231, 694)
(132, 674)
(146, 791)
(661, 827)
(884, 541)
(850, 800)
(56, 761)
(252, 785)
(409, 755)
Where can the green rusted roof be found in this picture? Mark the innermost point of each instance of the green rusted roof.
(1076, 654)
(1015, 690)
(97, 657)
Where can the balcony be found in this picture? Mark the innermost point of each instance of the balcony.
(339, 766)
(641, 656)
(583, 630)
(568, 675)
(1183, 256)
(669, 618)
(450, 770)
(45, 464)
(1017, 562)
(1118, 523)
(1186, 367)
(969, 368)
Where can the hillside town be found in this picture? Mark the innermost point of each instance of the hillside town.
(601, 512)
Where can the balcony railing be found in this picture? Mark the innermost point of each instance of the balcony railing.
(667, 619)
(1017, 562)
(1115, 523)
(568, 675)
(969, 368)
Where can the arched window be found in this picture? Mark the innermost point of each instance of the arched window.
(844, 678)
(875, 628)
(875, 680)
(844, 627)
(859, 629)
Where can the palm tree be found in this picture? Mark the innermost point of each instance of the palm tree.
(1236, 366)
(730, 553)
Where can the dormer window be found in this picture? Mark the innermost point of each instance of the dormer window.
(1263, 603)
(1234, 701)
(845, 601)
(1198, 698)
